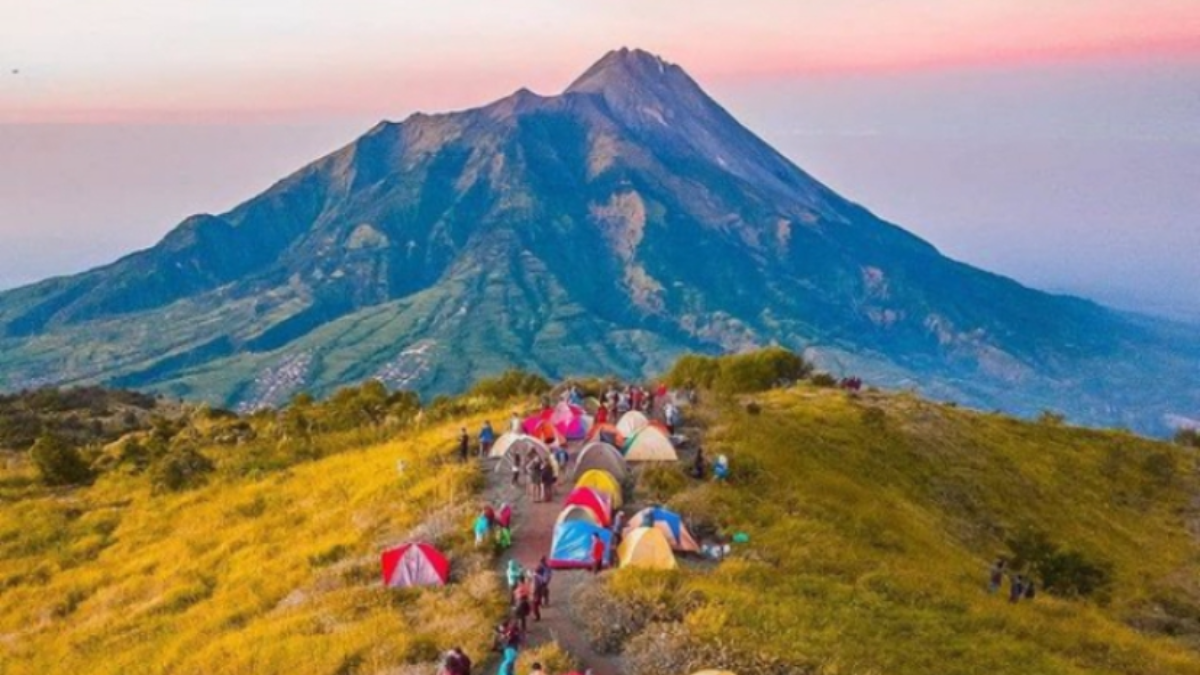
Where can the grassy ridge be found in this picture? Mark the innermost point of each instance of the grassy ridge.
(276, 573)
(873, 522)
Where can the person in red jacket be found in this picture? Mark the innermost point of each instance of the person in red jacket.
(597, 554)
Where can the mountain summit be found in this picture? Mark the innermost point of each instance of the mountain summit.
(606, 229)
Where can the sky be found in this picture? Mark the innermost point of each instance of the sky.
(1057, 141)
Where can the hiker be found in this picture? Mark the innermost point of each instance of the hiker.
(490, 514)
(601, 416)
(996, 576)
(561, 456)
(547, 482)
(698, 464)
(509, 665)
(464, 445)
(597, 553)
(523, 602)
(512, 574)
(618, 529)
(507, 635)
(671, 414)
(516, 468)
(482, 527)
(504, 519)
(487, 438)
(1017, 589)
(504, 538)
(721, 469)
(514, 423)
(534, 489)
(1029, 590)
(541, 582)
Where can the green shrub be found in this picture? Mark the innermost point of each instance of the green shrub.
(1189, 438)
(58, 462)
(1062, 572)
(740, 373)
(510, 384)
(824, 380)
(180, 469)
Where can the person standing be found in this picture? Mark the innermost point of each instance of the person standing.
(597, 553)
(547, 482)
(1017, 590)
(482, 527)
(996, 576)
(516, 468)
(618, 533)
(487, 438)
(541, 582)
(514, 423)
(464, 445)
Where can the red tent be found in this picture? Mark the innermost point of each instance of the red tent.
(595, 501)
(414, 564)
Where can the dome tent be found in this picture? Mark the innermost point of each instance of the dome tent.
(510, 442)
(572, 545)
(576, 512)
(601, 480)
(647, 547)
(601, 456)
(671, 525)
(414, 564)
(650, 445)
(594, 500)
(631, 423)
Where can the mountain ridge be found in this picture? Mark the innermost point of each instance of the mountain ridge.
(604, 229)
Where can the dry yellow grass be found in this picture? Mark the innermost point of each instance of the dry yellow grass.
(274, 575)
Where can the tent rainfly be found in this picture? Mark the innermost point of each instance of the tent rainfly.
(631, 423)
(414, 564)
(650, 445)
(601, 480)
(647, 547)
(604, 457)
(671, 525)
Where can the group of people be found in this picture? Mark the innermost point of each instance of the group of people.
(494, 525)
(539, 472)
(1020, 586)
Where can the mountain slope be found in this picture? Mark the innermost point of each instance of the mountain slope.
(607, 228)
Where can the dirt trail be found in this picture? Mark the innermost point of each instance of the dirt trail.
(533, 529)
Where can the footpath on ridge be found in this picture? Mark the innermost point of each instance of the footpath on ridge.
(533, 529)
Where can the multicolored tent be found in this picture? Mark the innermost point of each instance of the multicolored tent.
(576, 512)
(671, 525)
(650, 445)
(540, 427)
(601, 480)
(648, 548)
(594, 500)
(414, 564)
(601, 456)
(572, 545)
(607, 433)
(632, 422)
(570, 421)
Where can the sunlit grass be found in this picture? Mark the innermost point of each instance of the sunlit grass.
(244, 575)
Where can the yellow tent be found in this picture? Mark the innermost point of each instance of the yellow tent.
(650, 445)
(647, 547)
(602, 481)
(631, 423)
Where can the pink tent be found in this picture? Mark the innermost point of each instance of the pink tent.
(568, 419)
(416, 564)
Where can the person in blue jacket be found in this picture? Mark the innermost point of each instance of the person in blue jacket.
(487, 437)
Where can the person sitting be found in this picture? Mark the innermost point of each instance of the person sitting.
(721, 469)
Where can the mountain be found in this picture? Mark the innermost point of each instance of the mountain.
(606, 229)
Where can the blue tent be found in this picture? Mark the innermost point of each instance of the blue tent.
(572, 545)
(670, 522)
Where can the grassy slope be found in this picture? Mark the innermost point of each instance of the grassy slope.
(270, 575)
(871, 539)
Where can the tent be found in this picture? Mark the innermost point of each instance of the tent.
(414, 564)
(601, 456)
(572, 545)
(647, 547)
(631, 423)
(576, 512)
(569, 421)
(510, 442)
(671, 525)
(595, 501)
(650, 445)
(603, 481)
(607, 433)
